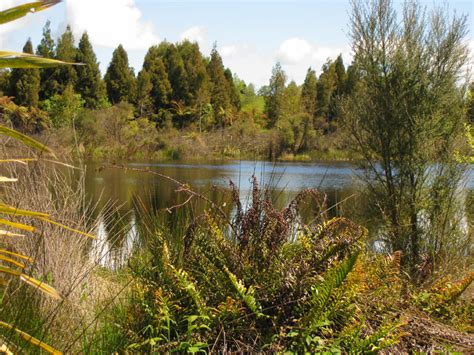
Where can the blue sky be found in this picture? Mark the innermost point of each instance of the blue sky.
(251, 35)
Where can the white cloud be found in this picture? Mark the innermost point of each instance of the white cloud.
(195, 34)
(228, 51)
(111, 22)
(249, 63)
(294, 50)
(297, 54)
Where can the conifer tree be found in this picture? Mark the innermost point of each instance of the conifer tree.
(144, 88)
(219, 87)
(327, 85)
(233, 94)
(309, 93)
(89, 81)
(47, 49)
(351, 79)
(275, 95)
(176, 73)
(154, 70)
(197, 77)
(25, 83)
(120, 79)
(341, 74)
(67, 52)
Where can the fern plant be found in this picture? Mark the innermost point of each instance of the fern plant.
(262, 281)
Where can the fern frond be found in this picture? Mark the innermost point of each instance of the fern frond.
(185, 283)
(334, 278)
(246, 294)
(460, 287)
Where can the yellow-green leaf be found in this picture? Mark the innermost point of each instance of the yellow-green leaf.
(25, 161)
(17, 225)
(12, 261)
(50, 291)
(68, 228)
(18, 212)
(21, 256)
(24, 139)
(30, 339)
(30, 61)
(19, 160)
(20, 11)
(9, 234)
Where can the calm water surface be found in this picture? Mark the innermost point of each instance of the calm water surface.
(127, 189)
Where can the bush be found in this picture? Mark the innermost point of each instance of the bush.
(259, 282)
(114, 133)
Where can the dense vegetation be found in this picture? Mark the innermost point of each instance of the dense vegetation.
(178, 92)
(261, 280)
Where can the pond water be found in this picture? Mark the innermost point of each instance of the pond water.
(127, 189)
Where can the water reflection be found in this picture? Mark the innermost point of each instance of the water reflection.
(118, 233)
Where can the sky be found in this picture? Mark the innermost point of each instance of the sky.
(250, 35)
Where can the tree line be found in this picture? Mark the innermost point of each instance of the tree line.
(177, 84)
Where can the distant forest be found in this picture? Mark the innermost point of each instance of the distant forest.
(177, 88)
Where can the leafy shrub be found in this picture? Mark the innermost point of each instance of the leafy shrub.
(64, 108)
(262, 281)
(25, 119)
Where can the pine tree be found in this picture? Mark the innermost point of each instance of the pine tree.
(89, 81)
(197, 76)
(25, 83)
(120, 79)
(341, 74)
(154, 69)
(219, 87)
(275, 95)
(47, 49)
(351, 79)
(176, 73)
(292, 100)
(309, 93)
(327, 85)
(233, 93)
(144, 88)
(67, 52)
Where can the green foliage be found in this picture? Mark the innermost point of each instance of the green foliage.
(25, 83)
(114, 132)
(327, 85)
(220, 93)
(153, 82)
(176, 71)
(47, 49)
(197, 78)
(251, 279)
(65, 108)
(405, 114)
(119, 78)
(443, 301)
(309, 93)
(89, 79)
(64, 76)
(274, 95)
